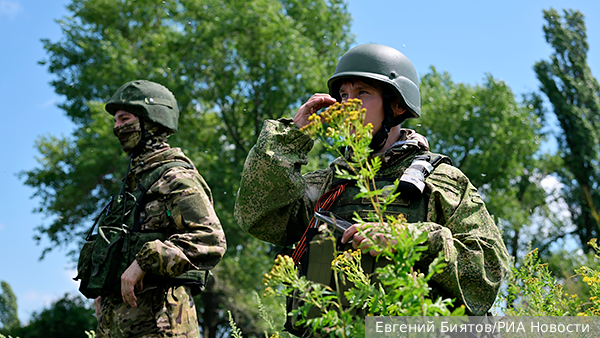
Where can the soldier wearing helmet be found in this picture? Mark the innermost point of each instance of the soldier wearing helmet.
(158, 238)
(276, 203)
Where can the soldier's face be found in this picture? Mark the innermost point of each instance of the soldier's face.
(122, 117)
(371, 97)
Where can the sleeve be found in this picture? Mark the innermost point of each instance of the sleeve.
(275, 201)
(460, 226)
(198, 241)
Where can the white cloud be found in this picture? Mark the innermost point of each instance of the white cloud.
(10, 8)
(48, 103)
(2, 226)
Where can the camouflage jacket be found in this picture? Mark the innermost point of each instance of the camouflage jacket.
(275, 203)
(180, 203)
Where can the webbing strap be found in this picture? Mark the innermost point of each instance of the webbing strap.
(323, 203)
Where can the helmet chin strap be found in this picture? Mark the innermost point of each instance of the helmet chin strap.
(380, 138)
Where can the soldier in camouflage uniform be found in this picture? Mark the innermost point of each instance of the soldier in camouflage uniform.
(275, 201)
(147, 300)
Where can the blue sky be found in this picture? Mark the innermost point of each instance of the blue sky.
(466, 38)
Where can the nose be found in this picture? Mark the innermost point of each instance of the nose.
(119, 122)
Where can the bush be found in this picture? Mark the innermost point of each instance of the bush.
(69, 316)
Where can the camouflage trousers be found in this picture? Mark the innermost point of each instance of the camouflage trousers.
(160, 312)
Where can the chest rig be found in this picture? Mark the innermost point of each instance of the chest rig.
(108, 253)
(412, 168)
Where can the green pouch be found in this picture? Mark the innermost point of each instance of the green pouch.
(84, 265)
(105, 263)
(104, 258)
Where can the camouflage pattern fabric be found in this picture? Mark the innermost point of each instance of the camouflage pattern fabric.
(161, 312)
(129, 135)
(275, 203)
(409, 134)
(179, 203)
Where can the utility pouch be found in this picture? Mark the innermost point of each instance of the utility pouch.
(84, 265)
(113, 252)
(105, 258)
(316, 266)
(106, 262)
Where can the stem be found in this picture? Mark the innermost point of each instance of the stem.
(375, 202)
(337, 289)
(414, 275)
(590, 202)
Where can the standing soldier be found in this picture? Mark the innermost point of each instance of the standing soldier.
(158, 238)
(276, 202)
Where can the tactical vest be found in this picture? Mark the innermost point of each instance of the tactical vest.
(316, 263)
(107, 254)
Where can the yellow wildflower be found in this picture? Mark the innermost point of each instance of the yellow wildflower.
(531, 280)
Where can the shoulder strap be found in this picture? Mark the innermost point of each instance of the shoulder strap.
(412, 181)
(106, 207)
(323, 203)
(437, 159)
(147, 182)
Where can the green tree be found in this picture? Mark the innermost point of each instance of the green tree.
(8, 308)
(493, 139)
(69, 316)
(231, 64)
(574, 93)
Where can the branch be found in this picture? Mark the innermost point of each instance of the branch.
(590, 203)
(230, 129)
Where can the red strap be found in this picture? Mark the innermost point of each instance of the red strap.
(323, 203)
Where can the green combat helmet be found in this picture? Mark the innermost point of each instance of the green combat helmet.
(388, 66)
(147, 100)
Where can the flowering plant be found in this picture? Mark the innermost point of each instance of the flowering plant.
(592, 278)
(395, 289)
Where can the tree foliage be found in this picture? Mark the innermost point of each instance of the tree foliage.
(574, 93)
(231, 64)
(493, 138)
(8, 308)
(487, 133)
(69, 316)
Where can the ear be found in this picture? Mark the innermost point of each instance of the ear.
(397, 108)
